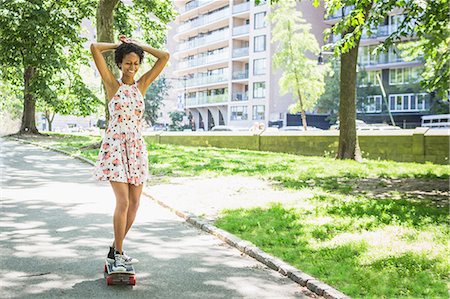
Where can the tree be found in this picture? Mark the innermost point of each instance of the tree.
(329, 100)
(38, 40)
(295, 42)
(428, 21)
(114, 18)
(176, 117)
(154, 97)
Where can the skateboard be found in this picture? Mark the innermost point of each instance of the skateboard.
(126, 277)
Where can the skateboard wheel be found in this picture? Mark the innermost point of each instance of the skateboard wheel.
(109, 280)
(132, 280)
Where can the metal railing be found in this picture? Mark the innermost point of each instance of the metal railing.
(239, 96)
(194, 4)
(202, 100)
(204, 60)
(240, 52)
(204, 19)
(243, 29)
(207, 80)
(200, 41)
(241, 7)
(239, 75)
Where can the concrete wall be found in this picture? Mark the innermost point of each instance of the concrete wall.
(419, 145)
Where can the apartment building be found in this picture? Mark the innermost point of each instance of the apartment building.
(405, 98)
(221, 62)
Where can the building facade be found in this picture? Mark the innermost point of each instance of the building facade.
(405, 101)
(222, 62)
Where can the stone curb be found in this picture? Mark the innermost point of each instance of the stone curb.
(318, 287)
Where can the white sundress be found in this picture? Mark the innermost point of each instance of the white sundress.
(123, 153)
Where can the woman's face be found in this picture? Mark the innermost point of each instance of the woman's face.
(130, 64)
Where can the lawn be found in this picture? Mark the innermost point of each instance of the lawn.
(377, 229)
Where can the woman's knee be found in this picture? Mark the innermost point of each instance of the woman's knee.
(122, 204)
(134, 203)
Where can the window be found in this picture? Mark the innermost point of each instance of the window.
(370, 78)
(239, 113)
(259, 66)
(260, 20)
(258, 112)
(366, 55)
(259, 90)
(259, 43)
(404, 75)
(408, 102)
(372, 104)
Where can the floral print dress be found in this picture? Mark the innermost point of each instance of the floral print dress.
(123, 154)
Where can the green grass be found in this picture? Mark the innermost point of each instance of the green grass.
(390, 246)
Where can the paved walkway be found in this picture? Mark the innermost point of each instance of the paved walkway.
(56, 224)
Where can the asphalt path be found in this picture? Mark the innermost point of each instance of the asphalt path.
(56, 225)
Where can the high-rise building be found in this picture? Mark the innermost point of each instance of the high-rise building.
(405, 99)
(221, 62)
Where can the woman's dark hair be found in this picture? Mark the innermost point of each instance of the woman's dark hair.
(127, 48)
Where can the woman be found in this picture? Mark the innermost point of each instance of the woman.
(122, 159)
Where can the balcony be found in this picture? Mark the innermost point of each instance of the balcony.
(204, 100)
(204, 60)
(207, 80)
(243, 29)
(240, 75)
(380, 31)
(194, 4)
(239, 96)
(238, 8)
(200, 41)
(205, 19)
(384, 59)
(340, 13)
(240, 52)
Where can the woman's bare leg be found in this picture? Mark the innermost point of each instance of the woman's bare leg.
(121, 191)
(134, 198)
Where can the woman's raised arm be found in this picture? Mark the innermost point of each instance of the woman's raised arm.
(106, 74)
(147, 78)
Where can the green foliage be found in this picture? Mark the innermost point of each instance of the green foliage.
(154, 97)
(10, 101)
(329, 100)
(151, 17)
(176, 117)
(301, 75)
(43, 35)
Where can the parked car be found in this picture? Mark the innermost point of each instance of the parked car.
(222, 128)
(299, 128)
(362, 126)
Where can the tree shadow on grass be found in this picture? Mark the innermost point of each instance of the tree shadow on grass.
(432, 190)
(289, 235)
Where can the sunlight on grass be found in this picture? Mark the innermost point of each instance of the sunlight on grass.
(390, 245)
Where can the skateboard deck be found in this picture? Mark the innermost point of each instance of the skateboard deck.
(124, 277)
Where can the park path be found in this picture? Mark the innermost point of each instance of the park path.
(56, 224)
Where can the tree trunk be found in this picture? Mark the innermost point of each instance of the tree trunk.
(305, 125)
(28, 125)
(348, 140)
(105, 33)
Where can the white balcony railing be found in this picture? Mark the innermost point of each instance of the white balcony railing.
(204, 19)
(194, 4)
(241, 7)
(240, 75)
(202, 100)
(243, 29)
(240, 52)
(239, 96)
(205, 80)
(200, 41)
(204, 60)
